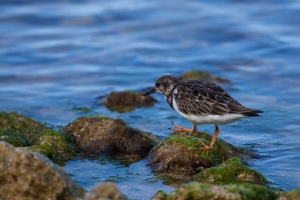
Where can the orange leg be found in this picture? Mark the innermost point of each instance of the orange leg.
(217, 130)
(183, 129)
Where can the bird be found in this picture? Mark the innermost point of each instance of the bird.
(200, 102)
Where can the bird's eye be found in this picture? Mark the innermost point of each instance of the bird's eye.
(157, 84)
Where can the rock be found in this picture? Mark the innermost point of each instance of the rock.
(19, 129)
(201, 75)
(290, 195)
(180, 156)
(55, 145)
(204, 191)
(105, 191)
(100, 135)
(233, 170)
(17, 140)
(22, 131)
(27, 175)
(160, 195)
(127, 101)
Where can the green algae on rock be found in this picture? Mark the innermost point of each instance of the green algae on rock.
(28, 175)
(20, 126)
(18, 140)
(55, 145)
(103, 135)
(180, 156)
(127, 101)
(201, 76)
(204, 191)
(22, 131)
(233, 170)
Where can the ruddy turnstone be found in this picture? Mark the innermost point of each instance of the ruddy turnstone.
(201, 103)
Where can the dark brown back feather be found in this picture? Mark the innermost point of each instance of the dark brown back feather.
(203, 98)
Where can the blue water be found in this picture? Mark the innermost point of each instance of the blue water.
(57, 56)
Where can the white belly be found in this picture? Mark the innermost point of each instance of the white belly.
(208, 119)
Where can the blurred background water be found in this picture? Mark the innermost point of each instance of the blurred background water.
(59, 56)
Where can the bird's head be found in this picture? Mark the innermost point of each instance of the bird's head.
(163, 85)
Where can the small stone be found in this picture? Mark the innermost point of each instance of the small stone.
(201, 76)
(105, 191)
(160, 195)
(127, 101)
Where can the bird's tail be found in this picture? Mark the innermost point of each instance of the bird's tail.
(253, 113)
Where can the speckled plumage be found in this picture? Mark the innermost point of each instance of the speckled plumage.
(201, 103)
(204, 98)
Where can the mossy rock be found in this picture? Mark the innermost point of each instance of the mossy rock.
(20, 126)
(233, 170)
(18, 140)
(204, 191)
(103, 135)
(201, 76)
(125, 101)
(22, 131)
(180, 156)
(55, 145)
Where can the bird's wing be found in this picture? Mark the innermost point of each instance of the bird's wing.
(203, 98)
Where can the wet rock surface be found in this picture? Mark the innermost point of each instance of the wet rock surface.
(125, 101)
(17, 129)
(100, 135)
(27, 175)
(180, 156)
(55, 145)
(204, 191)
(233, 170)
(201, 76)
(22, 131)
(105, 191)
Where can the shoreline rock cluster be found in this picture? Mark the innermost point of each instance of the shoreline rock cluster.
(31, 152)
(189, 169)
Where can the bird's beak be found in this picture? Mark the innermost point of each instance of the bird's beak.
(152, 90)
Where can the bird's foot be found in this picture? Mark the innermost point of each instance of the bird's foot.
(180, 128)
(206, 147)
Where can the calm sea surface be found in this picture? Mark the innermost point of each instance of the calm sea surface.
(57, 57)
